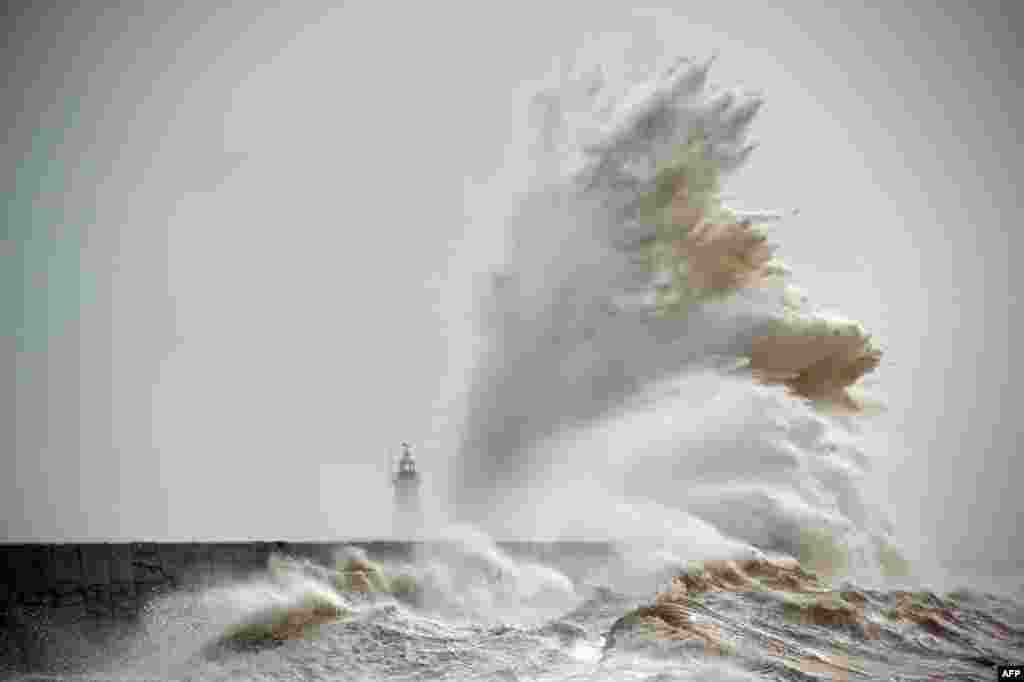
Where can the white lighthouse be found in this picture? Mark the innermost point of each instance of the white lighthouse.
(406, 481)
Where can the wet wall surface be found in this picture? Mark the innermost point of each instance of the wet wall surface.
(46, 586)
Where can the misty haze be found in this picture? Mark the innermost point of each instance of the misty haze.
(507, 343)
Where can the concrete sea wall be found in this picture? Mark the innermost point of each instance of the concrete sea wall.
(75, 595)
(90, 586)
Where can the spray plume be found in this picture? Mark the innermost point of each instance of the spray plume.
(627, 276)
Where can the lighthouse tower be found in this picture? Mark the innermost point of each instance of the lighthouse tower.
(406, 481)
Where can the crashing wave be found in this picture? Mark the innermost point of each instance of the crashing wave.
(629, 280)
(658, 164)
(811, 628)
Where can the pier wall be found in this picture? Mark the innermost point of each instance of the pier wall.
(46, 586)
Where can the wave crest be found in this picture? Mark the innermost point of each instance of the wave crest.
(630, 293)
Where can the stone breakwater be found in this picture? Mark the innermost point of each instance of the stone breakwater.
(47, 591)
(49, 587)
(115, 580)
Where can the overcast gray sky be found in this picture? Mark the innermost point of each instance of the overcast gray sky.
(258, 281)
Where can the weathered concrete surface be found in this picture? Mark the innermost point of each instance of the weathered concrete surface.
(81, 585)
(79, 589)
(103, 576)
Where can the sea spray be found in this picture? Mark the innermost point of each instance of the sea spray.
(468, 577)
(650, 371)
(179, 630)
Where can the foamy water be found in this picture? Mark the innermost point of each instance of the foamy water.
(630, 390)
(487, 615)
(650, 378)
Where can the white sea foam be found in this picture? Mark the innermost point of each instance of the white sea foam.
(593, 415)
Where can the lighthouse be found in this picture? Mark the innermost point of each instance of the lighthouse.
(406, 481)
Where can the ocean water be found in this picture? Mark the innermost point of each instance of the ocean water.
(651, 377)
(484, 615)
